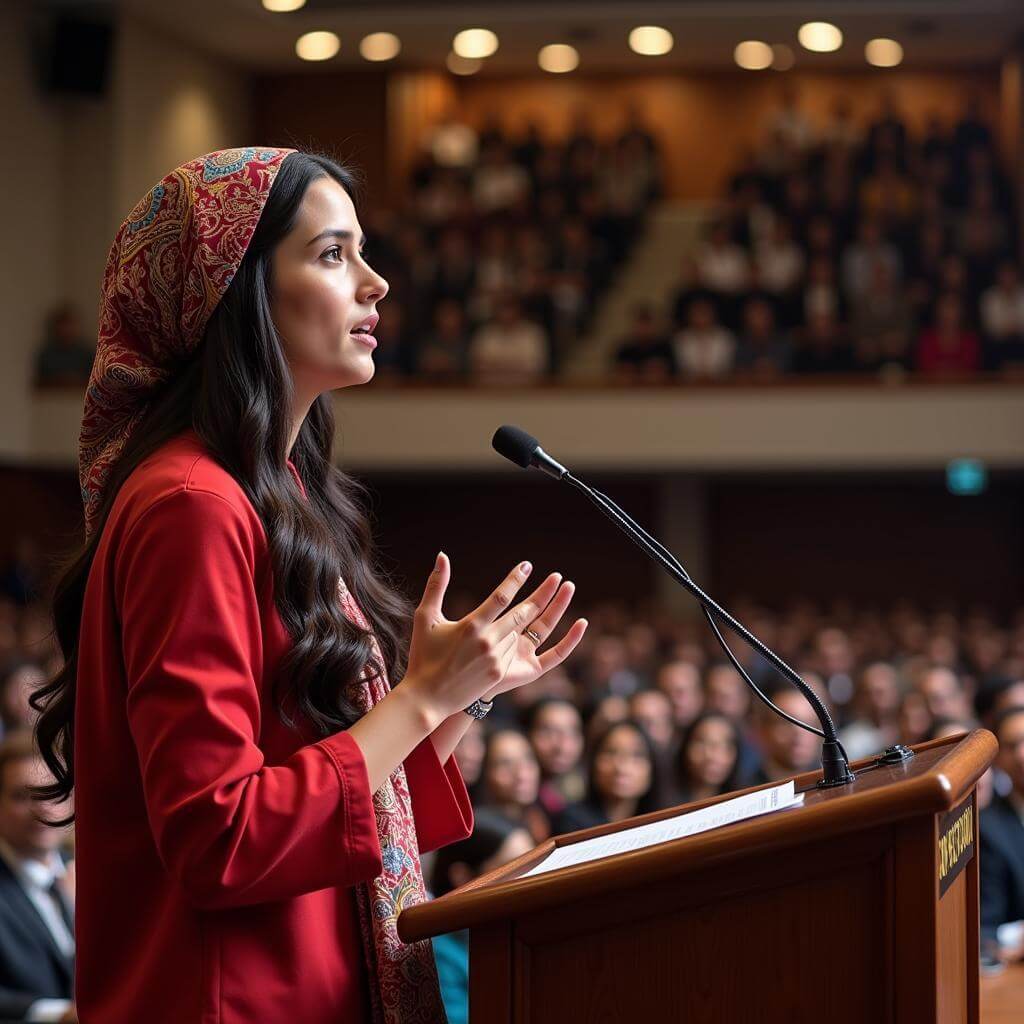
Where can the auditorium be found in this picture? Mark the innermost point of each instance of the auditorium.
(513, 512)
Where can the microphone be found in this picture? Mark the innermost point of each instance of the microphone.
(525, 451)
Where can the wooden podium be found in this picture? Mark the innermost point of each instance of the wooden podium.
(858, 907)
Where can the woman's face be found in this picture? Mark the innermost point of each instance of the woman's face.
(512, 772)
(622, 767)
(711, 754)
(321, 290)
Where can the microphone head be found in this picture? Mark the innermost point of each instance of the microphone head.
(516, 445)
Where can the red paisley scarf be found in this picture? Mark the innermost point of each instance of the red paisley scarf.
(171, 261)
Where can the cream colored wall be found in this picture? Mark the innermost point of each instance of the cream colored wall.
(78, 168)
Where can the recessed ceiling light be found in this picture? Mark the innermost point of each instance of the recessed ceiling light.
(820, 36)
(558, 58)
(753, 55)
(380, 46)
(283, 6)
(883, 53)
(650, 40)
(475, 43)
(317, 45)
(463, 65)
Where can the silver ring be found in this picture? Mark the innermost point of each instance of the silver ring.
(533, 636)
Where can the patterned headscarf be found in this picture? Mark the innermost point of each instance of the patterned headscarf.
(171, 262)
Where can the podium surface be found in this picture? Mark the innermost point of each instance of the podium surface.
(860, 905)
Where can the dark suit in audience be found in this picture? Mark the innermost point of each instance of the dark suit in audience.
(1001, 864)
(33, 966)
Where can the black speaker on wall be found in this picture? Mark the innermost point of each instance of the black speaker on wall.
(74, 48)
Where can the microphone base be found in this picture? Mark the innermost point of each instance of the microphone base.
(835, 769)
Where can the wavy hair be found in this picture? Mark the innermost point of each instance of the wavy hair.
(235, 390)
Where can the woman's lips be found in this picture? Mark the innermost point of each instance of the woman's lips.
(366, 339)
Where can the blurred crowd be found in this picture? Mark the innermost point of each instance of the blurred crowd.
(645, 715)
(847, 248)
(504, 244)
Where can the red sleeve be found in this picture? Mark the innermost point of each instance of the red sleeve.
(440, 803)
(229, 829)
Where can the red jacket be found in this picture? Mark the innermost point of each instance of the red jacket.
(216, 850)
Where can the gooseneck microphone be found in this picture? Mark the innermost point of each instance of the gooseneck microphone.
(525, 451)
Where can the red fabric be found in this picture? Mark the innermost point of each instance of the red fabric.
(934, 357)
(216, 850)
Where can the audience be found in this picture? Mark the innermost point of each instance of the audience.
(37, 896)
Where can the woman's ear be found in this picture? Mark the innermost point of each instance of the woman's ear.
(459, 873)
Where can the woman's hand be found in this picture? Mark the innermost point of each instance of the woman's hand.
(451, 664)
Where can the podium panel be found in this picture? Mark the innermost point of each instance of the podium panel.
(859, 906)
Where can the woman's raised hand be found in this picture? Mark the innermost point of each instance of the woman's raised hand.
(485, 653)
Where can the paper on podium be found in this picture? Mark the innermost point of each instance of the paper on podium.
(737, 809)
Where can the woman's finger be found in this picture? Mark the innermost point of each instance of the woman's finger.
(517, 619)
(502, 596)
(557, 654)
(545, 624)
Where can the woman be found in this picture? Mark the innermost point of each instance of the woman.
(251, 794)
(510, 781)
(708, 761)
(623, 780)
(496, 840)
(555, 730)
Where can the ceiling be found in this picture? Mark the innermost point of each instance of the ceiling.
(934, 33)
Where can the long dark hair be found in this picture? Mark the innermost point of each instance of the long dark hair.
(683, 779)
(652, 799)
(236, 392)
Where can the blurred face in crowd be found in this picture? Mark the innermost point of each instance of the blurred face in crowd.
(878, 692)
(1011, 749)
(511, 772)
(1011, 697)
(943, 695)
(622, 765)
(791, 748)
(19, 812)
(611, 709)
(726, 692)
(469, 752)
(518, 842)
(653, 710)
(680, 682)
(711, 752)
(19, 685)
(557, 738)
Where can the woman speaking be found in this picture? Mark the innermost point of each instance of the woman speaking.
(251, 794)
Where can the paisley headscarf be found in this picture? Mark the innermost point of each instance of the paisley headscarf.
(171, 261)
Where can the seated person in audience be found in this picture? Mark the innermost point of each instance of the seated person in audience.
(704, 349)
(1002, 317)
(442, 354)
(509, 349)
(860, 258)
(727, 692)
(510, 781)
(65, 357)
(653, 710)
(786, 748)
(780, 261)
(875, 708)
(469, 756)
(823, 347)
(18, 678)
(708, 762)
(622, 780)
(722, 265)
(495, 842)
(554, 728)
(688, 290)
(1001, 853)
(944, 694)
(611, 708)
(680, 682)
(948, 346)
(882, 320)
(821, 295)
(915, 720)
(37, 932)
(763, 349)
(645, 355)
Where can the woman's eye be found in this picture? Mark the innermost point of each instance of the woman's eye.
(333, 248)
